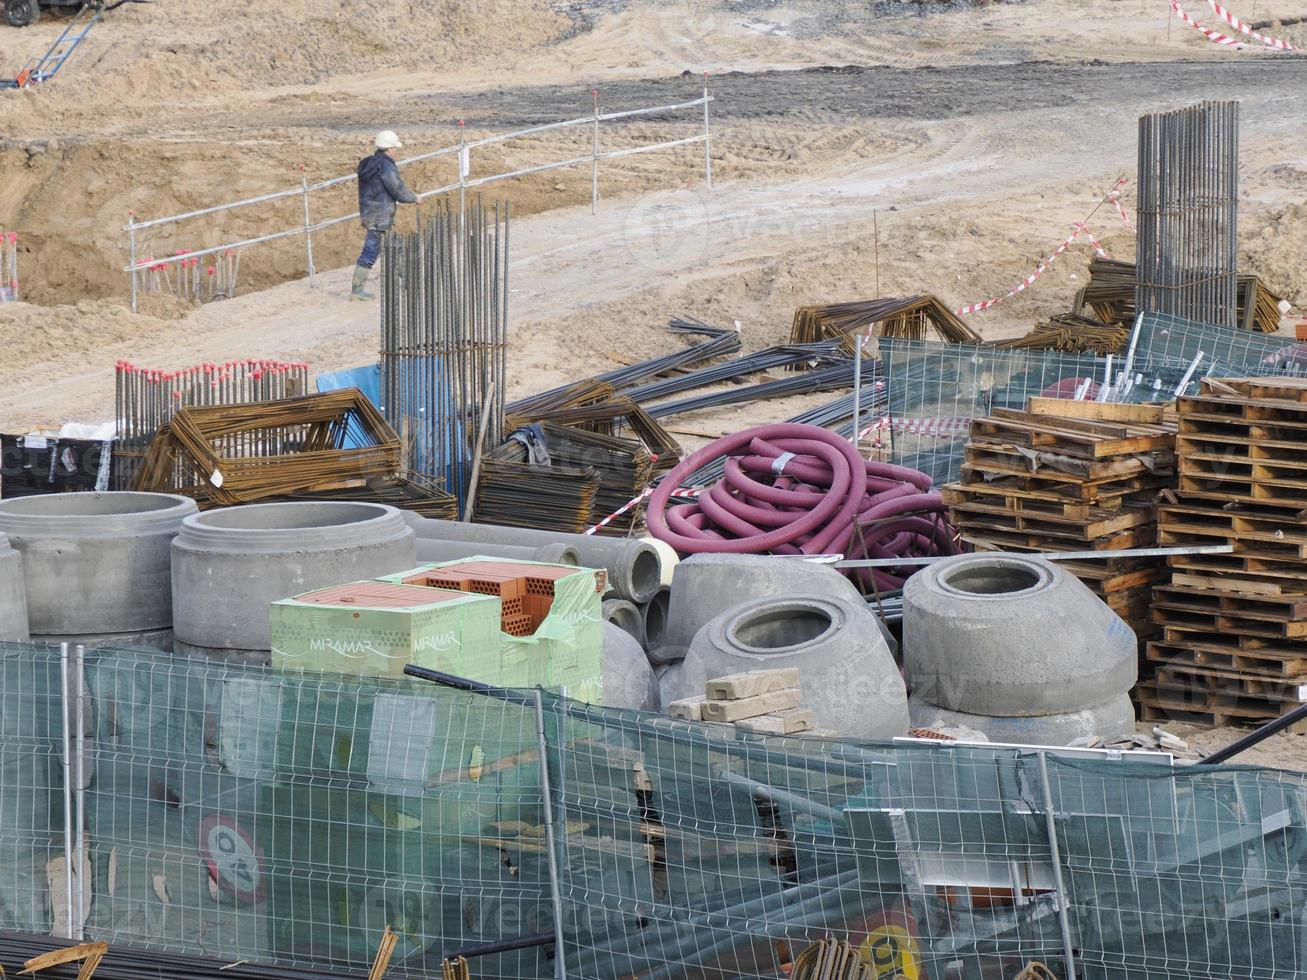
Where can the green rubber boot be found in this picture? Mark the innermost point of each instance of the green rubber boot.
(360, 278)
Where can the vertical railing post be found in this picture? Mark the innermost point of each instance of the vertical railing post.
(1055, 855)
(555, 889)
(308, 233)
(594, 156)
(707, 136)
(68, 790)
(76, 928)
(131, 248)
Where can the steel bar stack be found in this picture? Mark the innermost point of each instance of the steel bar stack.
(237, 454)
(1072, 333)
(1041, 481)
(1187, 240)
(910, 318)
(145, 399)
(444, 327)
(1234, 643)
(1110, 297)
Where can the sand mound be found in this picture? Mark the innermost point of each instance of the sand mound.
(32, 335)
(1276, 254)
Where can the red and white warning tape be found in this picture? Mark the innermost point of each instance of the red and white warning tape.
(1214, 36)
(1242, 28)
(647, 492)
(1027, 282)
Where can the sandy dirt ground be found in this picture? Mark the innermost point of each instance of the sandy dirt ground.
(971, 135)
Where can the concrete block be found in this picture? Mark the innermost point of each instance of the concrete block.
(761, 704)
(691, 708)
(751, 683)
(95, 562)
(820, 733)
(847, 675)
(1008, 635)
(781, 723)
(229, 565)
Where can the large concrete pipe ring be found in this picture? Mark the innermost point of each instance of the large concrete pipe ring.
(634, 568)
(13, 595)
(655, 613)
(705, 586)
(1112, 718)
(95, 562)
(1009, 634)
(433, 550)
(229, 565)
(625, 616)
(846, 672)
(628, 680)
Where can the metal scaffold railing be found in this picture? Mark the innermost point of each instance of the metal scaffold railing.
(462, 151)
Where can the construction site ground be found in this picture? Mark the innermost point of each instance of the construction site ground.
(977, 133)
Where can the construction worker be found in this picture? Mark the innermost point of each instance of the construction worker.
(380, 187)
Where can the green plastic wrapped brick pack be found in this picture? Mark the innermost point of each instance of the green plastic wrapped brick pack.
(564, 654)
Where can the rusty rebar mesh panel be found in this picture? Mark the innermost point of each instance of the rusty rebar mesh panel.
(236, 454)
(910, 318)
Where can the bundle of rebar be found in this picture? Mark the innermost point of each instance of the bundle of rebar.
(418, 495)
(191, 282)
(1110, 297)
(817, 354)
(556, 498)
(623, 467)
(1187, 244)
(146, 398)
(610, 417)
(236, 454)
(444, 325)
(1072, 333)
(830, 378)
(908, 318)
(8, 266)
(719, 343)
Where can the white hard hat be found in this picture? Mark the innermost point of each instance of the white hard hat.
(387, 140)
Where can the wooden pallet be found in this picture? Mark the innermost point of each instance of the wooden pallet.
(1193, 694)
(1083, 438)
(1096, 524)
(1005, 496)
(1163, 707)
(1228, 658)
(993, 537)
(1098, 476)
(1170, 609)
(1249, 573)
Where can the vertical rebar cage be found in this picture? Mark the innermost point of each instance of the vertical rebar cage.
(1188, 213)
(444, 328)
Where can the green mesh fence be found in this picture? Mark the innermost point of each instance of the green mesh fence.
(285, 817)
(1227, 352)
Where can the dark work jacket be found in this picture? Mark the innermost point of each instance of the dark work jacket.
(380, 186)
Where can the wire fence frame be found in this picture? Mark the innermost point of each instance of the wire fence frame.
(463, 150)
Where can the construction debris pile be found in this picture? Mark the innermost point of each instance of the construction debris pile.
(1234, 626)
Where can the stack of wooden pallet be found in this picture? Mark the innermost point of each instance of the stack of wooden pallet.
(1234, 643)
(1071, 476)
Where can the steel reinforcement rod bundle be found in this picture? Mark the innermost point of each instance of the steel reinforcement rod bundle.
(791, 489)
(719, 343)
(1187, 242)
(831, 378)
(145, 399)
(444, 330)
(784, 355)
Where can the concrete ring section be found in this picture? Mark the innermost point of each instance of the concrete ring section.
(13, 595)
(628, 680)
(634, 568)
(1000, 635)
(436, 550)
(96, 562)
(1112, 718)
(704, 586)
(846, 672)
(655, 613)
(230, 564)
(625, 616)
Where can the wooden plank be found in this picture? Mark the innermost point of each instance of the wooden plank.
(1153, 414)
